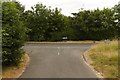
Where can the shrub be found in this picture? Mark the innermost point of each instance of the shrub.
(13, 34)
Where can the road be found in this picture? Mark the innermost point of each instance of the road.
(60, 60)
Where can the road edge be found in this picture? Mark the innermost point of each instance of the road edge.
(87, 61)
(26, 65)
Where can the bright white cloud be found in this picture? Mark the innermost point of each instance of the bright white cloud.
(70, 6)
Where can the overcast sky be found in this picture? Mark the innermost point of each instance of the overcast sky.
(71, 6)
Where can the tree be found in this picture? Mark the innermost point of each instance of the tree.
(95, 24)
(56, 25)
(108, 23)
(45, 24)
(117, 17)
(37, 21)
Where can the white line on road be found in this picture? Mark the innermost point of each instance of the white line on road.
(58, 51)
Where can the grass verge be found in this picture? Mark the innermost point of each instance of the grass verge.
(13, 71)
(105, 59)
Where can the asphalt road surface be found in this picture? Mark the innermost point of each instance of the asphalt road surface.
(57, 61)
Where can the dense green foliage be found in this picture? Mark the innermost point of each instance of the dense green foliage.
(13, 33)
(95, 25)
(50, 25)
(46, 24)
(117, 14)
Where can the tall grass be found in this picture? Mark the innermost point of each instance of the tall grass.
(105, 59)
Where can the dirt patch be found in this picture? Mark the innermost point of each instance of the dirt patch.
(15, 72)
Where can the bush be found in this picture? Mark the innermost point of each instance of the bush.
(13, 34)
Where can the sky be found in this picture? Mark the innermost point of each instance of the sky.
(71, 6)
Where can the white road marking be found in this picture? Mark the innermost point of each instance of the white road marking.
(58, 51)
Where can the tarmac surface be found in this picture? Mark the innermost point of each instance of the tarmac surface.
(57, 60)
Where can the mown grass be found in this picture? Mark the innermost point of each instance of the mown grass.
(105, 59)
